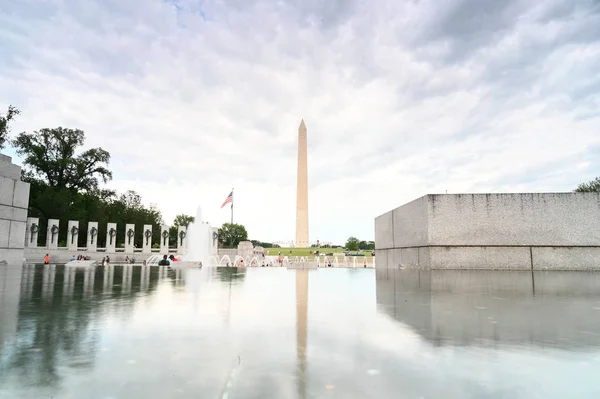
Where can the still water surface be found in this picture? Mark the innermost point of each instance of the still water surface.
(149, 332)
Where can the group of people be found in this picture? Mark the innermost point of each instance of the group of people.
(106, 259)
(81, 257)
(166, 261)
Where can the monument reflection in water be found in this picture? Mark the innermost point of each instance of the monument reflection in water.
(140, 331)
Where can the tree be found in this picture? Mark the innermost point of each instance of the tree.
(257, 243)
(51, 155)
(366, 245)
(180, 220)
(183, 220)
(352, 244)
(4, 127)
(590, 187)
(230, 235)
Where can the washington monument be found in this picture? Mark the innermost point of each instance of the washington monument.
(302, 191)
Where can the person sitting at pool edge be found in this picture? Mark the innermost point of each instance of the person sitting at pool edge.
(164, 261)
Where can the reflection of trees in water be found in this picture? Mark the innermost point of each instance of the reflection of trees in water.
(50, 328)
(56, 329)
(231, 274)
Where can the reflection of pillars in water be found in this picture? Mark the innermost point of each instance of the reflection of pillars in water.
(48, 281)
(178, 280)
(109, 275)
(162, 272)
(27, 281)
(144, 278)
(88, 282)
(301, 328)
(127, 276)
(69, 281)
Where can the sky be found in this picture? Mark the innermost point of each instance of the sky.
(401, 98)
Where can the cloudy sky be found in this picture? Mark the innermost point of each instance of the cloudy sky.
(401, 98)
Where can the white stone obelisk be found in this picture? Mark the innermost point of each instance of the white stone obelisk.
(302, 190)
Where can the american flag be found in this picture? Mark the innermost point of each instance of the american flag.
(228, 200)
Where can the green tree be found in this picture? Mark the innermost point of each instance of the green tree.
(230, 235)
(366, 245)
(51, 156)
(257, 243)
(352, 244)
(183, 220)
(590, 187)
(128, 208)
(4, 121)
(180, 220)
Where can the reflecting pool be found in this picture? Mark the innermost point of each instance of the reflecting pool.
(150, 332)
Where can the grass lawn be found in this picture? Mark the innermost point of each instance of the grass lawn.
(308, 251)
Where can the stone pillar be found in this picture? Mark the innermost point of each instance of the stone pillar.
(31, 233)
(215, 241)
(147, 241)
(111, 237)
(92, 236)
(181, 240)
(129, 238)
(164, 239)
(52, 235)
(72, 235)
(245, 248)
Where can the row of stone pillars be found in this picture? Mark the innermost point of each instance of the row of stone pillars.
(32, 231)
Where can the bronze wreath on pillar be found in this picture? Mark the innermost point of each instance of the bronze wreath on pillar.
(148, 235)
(181, 237)
(165, 235)
(93, 233)
(215, 237)
(53, 232)
(34, 228)
(74, 232)
(111, 233)
(130, 235)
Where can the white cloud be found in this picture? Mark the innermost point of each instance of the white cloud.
(193, 97)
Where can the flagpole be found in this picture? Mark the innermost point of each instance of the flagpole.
(232, 206)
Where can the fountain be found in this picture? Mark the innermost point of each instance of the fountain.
(199, 243)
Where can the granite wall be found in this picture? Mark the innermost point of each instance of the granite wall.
(14, 200)
(543, 231)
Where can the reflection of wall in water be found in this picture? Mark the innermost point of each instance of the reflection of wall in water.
(461, 307)
(10, 281)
